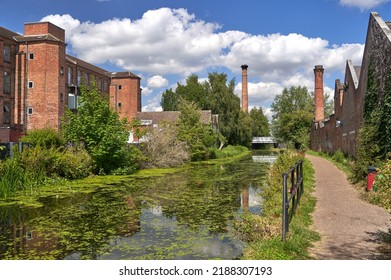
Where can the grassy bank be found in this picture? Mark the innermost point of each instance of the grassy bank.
(264, 233)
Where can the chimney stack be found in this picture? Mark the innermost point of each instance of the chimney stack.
(319, 95)
(244, 89)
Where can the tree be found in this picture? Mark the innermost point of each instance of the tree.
(98, 128)
(259, 123)
(201, 138)
(292, 116)
(224, 102)
(169, 100)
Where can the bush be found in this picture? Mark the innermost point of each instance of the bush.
(163, 148)
(381, 194)
(45, 138)
(72, 163)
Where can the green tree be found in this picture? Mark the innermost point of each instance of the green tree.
(259, 123)
(224, 102)
(201, 138)
(292, 116)
(244, 129)
(169, 100)
(99, 129)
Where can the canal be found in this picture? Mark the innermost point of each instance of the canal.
(185, 215)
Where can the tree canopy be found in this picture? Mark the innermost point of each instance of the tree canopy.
(292, 116)
(217, 94)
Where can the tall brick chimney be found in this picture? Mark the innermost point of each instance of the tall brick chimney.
(319, 95)
(244, 89)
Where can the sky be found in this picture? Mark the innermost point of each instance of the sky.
(165, 41)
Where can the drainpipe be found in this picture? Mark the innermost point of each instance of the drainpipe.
(26, 88)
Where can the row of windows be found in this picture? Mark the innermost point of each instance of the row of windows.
(86, 78)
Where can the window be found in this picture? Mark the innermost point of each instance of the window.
(30, 110)
(105, 85)
(7, 82)
(119, 104)
(120, 87)
(72, 101)
(78, 77)
(7, 54)
(70, 76)
(31, 84)
(6, 112)
(31, 56)
(86, 79)
(62, 70)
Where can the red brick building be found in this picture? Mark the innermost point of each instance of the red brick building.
(340, 130)
(38, 81)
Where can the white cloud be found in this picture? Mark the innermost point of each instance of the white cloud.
(363, 4)
(146, 91)
(157, 82)
(172, 41)
(169, 41)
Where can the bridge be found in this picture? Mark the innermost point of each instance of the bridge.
(265, 159)
(264, 140)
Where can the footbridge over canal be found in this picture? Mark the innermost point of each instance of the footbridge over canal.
(264, 140)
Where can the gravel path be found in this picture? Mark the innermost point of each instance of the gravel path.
(350, 228)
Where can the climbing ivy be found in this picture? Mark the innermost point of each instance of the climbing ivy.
(374, 142)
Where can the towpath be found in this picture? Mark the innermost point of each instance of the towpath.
(350, 228)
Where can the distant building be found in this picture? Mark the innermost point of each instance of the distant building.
(340, 130)
(38, 81)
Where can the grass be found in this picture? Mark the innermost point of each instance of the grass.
(300, 237)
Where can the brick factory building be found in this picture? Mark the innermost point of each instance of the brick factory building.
(340, 130)
(38, 81)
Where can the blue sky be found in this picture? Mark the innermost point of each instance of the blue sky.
(164, 41)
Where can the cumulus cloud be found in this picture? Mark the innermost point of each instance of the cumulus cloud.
(363, 4)
(157, 82)
(173, 41)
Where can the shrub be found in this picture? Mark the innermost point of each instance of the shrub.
(382, 187)
(163, 148)
(72, 163)
(45, 138)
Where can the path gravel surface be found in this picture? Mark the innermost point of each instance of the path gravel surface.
(350, 228)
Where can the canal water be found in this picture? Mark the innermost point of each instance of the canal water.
(186, 215)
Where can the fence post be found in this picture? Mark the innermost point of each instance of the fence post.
(284, 207)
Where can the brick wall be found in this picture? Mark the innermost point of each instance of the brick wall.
(125, 96)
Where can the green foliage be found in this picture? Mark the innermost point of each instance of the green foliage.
(45, 138)
(373, 136)
(201, 138)
(98, 128)
(293, 114)
(169, 100)
(72, 163)
(260, 123)
(231, 151)
(217, 94)
(266, 237)
(381, 194)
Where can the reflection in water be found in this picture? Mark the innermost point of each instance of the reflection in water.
(179, 216)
